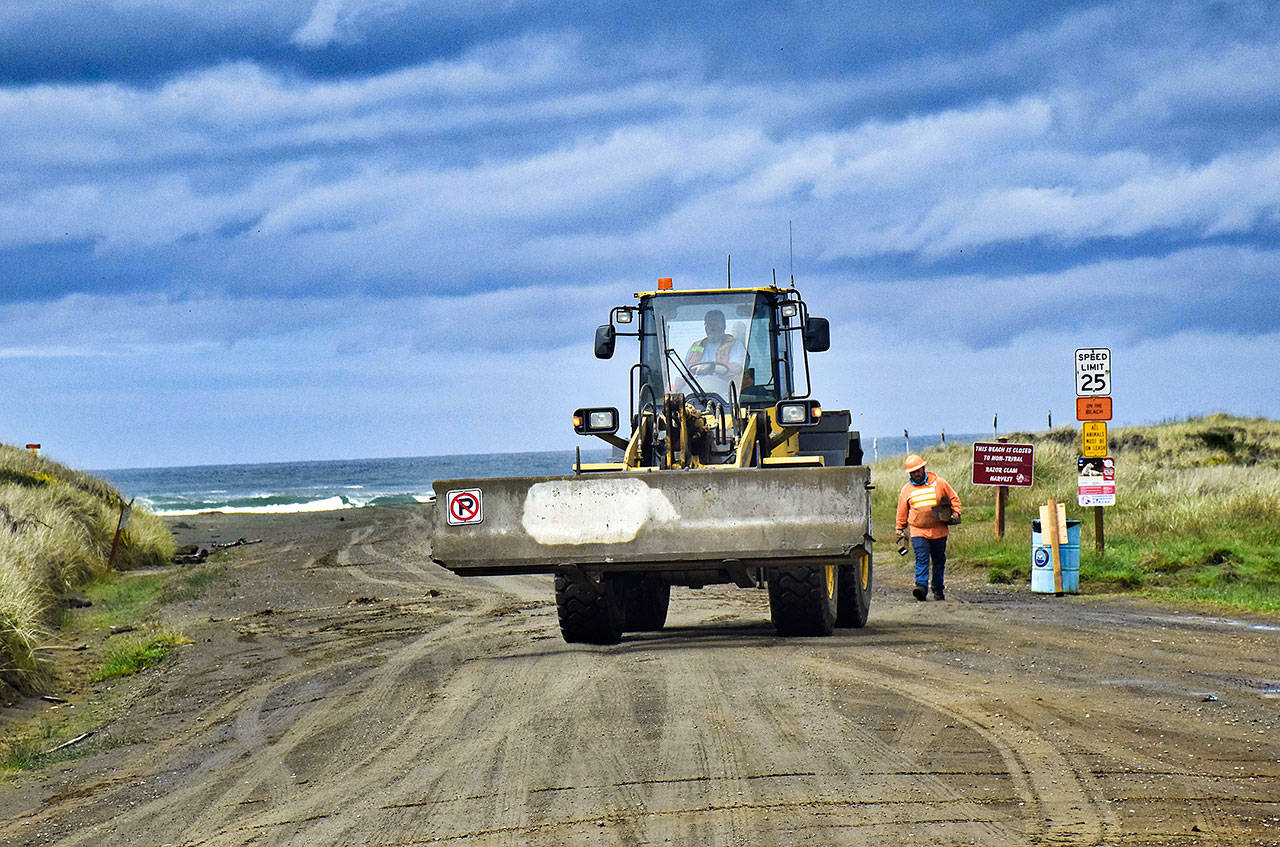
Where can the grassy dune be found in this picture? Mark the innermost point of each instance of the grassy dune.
(56, 527)
(1197, 516)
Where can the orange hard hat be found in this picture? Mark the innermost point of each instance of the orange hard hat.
(914, 462)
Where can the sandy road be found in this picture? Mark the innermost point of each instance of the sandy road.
(345, 691)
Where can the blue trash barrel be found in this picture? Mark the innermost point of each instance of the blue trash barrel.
(1042, 560)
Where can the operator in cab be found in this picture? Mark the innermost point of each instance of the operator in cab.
(715, 353)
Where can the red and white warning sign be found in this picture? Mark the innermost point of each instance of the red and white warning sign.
(1097, 483)
(464, 506)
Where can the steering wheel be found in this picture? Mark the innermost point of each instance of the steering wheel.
(718, 369)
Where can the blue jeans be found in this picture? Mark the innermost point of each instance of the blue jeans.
(926, 547)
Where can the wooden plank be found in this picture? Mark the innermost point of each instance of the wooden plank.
(1053, 522)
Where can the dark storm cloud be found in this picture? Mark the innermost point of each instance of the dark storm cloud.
(150, 40)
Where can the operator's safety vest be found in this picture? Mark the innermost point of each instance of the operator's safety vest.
(697, 351)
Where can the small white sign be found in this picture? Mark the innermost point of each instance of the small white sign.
(1097, 481)
(1093, 372)
(464, 506)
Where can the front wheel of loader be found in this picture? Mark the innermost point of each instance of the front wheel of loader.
(590, 612)
(855, 592)
(645, 600)
(803, 601)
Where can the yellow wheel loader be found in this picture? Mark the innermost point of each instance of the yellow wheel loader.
(730, 473)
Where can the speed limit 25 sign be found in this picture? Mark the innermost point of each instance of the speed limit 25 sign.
(1093, 372)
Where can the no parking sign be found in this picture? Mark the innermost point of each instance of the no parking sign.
(464, 506)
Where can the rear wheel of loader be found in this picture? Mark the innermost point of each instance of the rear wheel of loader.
(645, 600)
(803, 601)
(589, 612)
(855, 592)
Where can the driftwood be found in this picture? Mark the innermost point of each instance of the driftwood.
(239, 542)
(64, 745)
(194, 555)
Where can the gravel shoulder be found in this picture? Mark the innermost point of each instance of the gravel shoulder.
(343, 690)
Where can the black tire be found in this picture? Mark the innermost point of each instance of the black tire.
(645, 599)
(589, 612)
(854, 603)
(803, 601)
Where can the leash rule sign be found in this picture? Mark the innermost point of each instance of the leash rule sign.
(1093, 372)
(464, 506)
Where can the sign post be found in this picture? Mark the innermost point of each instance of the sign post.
(1093, 407)
(126, 510)
(1002, 464)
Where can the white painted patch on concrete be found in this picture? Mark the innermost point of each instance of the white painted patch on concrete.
(593, 511)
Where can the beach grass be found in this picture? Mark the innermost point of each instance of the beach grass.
(136, 654)
(56, 532)
(1197, 518)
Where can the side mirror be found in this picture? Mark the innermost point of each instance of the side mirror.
(606, 335)
(817, 335)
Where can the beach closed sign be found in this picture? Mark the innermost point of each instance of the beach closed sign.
(464, 506)
(1001, 463)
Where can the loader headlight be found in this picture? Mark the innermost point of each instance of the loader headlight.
(593, 421)
(790, 310)
(792, 413)
(798, 413)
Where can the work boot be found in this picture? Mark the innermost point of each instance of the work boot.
(919, 593)
(938, 595)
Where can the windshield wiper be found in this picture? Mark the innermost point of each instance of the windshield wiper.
(681, 367)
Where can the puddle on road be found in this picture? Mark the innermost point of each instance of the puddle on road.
(1268, 689)
(1260, 627)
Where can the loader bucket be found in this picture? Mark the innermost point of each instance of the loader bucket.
(652, 520)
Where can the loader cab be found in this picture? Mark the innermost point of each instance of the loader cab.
(719, 346)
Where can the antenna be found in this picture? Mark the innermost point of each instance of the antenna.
(791, 255)
(728, 271)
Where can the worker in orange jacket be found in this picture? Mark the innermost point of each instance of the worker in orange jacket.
(927, 507)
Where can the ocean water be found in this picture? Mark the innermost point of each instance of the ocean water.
(885, 446)
(324, 485)
(352, 483)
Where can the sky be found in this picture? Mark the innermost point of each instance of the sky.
(310, 229)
